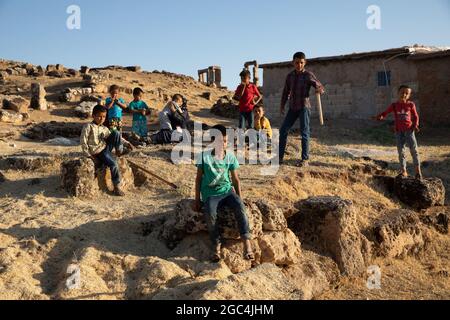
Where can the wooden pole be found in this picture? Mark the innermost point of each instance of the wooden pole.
(319, 108)
(174, 186)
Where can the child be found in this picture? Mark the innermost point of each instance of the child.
(296, 91)
(170, 118)
(139, 109)
(248, 95)
(406, 123)
(213, 185)
(98, 142)
(262, 124)
(114, 104)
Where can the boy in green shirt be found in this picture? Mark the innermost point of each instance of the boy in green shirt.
(214, 188)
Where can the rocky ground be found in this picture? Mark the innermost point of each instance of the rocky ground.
(319, 232)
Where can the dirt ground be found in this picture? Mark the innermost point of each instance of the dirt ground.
(42, 228)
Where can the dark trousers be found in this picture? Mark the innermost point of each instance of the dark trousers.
(105, 158)
(232, 201)
(246, 120)
(304, 115)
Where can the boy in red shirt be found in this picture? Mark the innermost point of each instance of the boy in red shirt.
(248, 95)
(406, 123)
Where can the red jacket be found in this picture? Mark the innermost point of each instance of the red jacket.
(246, 99)
(405, 115)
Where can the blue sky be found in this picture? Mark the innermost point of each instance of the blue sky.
(184, 36)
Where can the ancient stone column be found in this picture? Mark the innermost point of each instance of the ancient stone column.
(38, 97)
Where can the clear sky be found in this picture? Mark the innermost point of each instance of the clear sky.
(183, 36)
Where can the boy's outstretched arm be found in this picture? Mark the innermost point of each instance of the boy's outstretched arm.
(236, 182)
(198, 181)
(383, 115)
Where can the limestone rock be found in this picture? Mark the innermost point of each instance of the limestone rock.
(233, 255)
(272, 216)
(399, 234)
(38, 97)
(420, 194)
(281, 248)
(265, 282)
(329, 225)
(27, 162)
(16, 103)
(49, 130)
(84, 109)
(78, 178)
(225, 107)
(126, 176)
(437, 217)
(11, 117)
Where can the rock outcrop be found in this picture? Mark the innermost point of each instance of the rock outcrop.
(399, 234)
(78, 178)
(328, 224)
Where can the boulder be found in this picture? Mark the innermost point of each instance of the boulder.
(11, 117)
(16, 103)
(126, 176)
(78, 178)
(84, 109)
(48, 130)
(55, 74)
(134, 68)
(399, 234)
(436, 217)
(265, 282)
(272, 216)
(420, 194)
(281, 248)
(84, 70)
(225, 107)
(233, 255)
(27, 162)
(328, 224)
(38, 94)
(188, 221)
(312, 275)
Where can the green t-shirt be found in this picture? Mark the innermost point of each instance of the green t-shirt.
(216, 174)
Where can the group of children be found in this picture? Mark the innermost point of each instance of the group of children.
(213, 186)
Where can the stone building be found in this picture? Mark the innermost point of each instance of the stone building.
(360, 85)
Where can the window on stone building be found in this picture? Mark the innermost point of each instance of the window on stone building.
(384, 78)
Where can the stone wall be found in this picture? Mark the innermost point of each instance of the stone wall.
(352, 87)
(434, 95)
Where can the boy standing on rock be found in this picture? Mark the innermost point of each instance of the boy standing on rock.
(406, 123)
(214, 188)
(296, 91)
(114, 104)
(98, 142)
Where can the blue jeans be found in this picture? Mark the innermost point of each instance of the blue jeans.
(407, 138)
(106, 158)
(292, 116)
(246, 118)
(232, 201)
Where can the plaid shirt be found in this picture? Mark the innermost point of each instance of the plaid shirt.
(297, 87)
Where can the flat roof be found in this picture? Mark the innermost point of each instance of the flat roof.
(417, 51)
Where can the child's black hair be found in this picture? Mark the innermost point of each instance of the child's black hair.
(404, 86)
(221, 128)
(244, 73)
(113, 88)
(299, 55)
(98, 109)
(176, 97)
(137, 91)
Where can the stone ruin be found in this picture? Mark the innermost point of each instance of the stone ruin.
(225, 107)
(255, 71)
(211, 76)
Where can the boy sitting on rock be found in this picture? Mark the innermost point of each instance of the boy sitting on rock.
(98, 142)
(213, 184)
